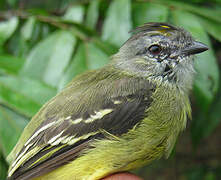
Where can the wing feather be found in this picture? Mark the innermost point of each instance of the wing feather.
(77, 116)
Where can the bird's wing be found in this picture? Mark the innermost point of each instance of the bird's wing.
(77, 116)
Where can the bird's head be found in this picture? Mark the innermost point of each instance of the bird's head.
(161, 52)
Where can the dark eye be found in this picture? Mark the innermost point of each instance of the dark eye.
(155, 49)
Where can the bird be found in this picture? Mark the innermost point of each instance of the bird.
(113, 119)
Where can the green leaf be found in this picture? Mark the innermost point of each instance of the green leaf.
(202, 172)
(210, 176)
(212, 27)
(7, 28)
(74, 14)
(49, 58)
(30, 34)
(211, 13)
(204, 12)
(3, 166)
(88, 56)
(12, 2)
(117, 22)
(10, 64)
(95, 57)
(28, 28)
(149, 12)
(198, 127)
(17, 45)
(196, 173)
(203, 123)
(207, 77)
(108, 48)
(214, 117)
(92, 14)
(77, 66)
(11, 125)
(23, 94)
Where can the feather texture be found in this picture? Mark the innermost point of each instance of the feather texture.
(73, 118)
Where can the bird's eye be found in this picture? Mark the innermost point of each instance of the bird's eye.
(154, 49)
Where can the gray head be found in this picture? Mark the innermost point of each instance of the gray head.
(161, 52)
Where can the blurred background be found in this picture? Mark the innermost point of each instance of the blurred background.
(45, 43)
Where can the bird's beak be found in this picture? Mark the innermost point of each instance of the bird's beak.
(195, 48)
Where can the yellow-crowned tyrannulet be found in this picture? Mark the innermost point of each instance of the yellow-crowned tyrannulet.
(116, 118)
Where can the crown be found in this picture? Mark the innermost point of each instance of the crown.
(163, 28)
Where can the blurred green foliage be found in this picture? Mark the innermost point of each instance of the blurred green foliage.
(45, 43)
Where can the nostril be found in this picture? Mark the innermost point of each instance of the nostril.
(167, 68)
